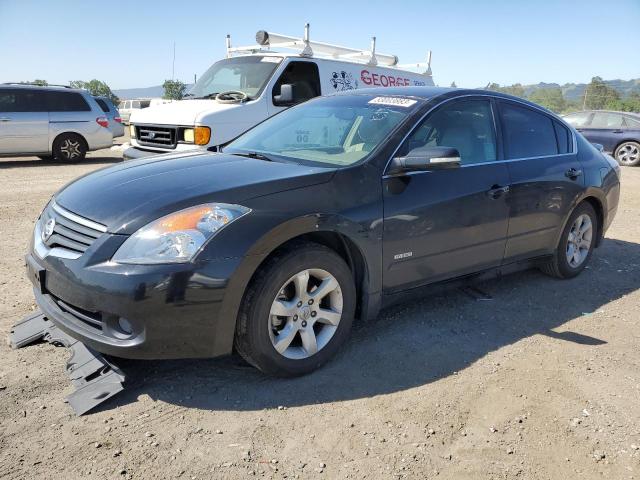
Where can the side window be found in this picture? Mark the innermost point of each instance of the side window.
(466, 125)
(579, 119)
(526, 133)
(633, 123)
(22, 100)
(103, 105)
(606, 120)
(563, 137)
(135, 104)
(145, 103)
(305, 79)
(67, 102)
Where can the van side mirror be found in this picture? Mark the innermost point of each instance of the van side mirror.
(427, 158)
(286, 95)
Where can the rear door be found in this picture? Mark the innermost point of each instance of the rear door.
(443, 223)
(24, 121)
(606, 129)
(546, 178)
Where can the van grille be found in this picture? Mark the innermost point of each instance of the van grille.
(70, 231)
(165, 137)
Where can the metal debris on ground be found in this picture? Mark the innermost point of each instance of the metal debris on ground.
(95, 378)
(476, 293)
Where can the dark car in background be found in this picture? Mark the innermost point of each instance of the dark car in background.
(617, 132)
(112, 113)
(323, 213)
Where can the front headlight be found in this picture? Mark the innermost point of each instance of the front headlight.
(132, 130)
(178, 237)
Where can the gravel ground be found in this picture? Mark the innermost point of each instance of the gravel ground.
(539, 382)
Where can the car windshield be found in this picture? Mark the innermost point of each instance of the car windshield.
(330, 131)
(244, 74)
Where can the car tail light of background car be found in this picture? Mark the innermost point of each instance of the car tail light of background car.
(117, 119)
(102, 121)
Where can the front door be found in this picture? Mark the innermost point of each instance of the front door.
(444, 223)
(304, 77)
(24, 121)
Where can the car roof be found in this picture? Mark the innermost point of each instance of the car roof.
(41, 87)
(428, 93)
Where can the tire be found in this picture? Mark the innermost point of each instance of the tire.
(69, 148)
(628, 154)
(560, 265)
(274, 287)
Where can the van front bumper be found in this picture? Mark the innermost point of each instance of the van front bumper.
(168, 311)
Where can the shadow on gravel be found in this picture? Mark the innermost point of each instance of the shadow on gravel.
(406, 346)
(28, 163)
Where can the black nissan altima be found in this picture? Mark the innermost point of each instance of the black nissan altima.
(318, 216)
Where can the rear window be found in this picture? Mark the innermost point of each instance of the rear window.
(632, 122)
(22, 100)
(67, 102)
(103, 105)
(527, 133)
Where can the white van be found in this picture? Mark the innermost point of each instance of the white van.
(254, 83)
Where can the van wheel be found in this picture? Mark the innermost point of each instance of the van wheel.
(576, 244)
(628, 153)
(69, 147)
(297, 312)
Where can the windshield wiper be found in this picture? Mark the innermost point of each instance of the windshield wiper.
(255, 155)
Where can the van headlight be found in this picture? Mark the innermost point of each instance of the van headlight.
(199, 135)
(178, 237)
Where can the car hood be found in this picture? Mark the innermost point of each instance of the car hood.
(183, 112)
(129, 195)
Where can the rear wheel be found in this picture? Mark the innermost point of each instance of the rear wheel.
(69, 147)
(297, 311)
(628, 154)
(576, 243)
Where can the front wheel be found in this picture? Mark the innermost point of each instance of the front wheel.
(628, 154)
(576, 244)
(297, 311)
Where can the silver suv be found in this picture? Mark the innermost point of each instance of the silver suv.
(51, 122)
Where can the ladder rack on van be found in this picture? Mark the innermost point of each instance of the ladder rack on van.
(307, 48)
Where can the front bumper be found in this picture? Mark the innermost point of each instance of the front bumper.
(133, 153)
(173, 309)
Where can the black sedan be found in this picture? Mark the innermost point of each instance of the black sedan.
(320, 215)
(617, 132)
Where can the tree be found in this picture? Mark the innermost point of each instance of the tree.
(550, 98)
(173, 89)
(453, 85)
(95, 87)
(598, 95)
(515, 89)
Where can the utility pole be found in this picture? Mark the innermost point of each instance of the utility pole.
(173, 65)
(584, 101)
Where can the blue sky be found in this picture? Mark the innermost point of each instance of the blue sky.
(130, 44)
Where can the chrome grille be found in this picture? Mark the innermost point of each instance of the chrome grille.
(155, 136)
(70, 231)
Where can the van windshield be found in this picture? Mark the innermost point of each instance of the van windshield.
(328, 131)
(245, 74)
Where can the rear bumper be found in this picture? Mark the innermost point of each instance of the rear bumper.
(173, 309)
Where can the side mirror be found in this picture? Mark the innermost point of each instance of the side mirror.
(286, 95)
(427, 158)
(599, 146)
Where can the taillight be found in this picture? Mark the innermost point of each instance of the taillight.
(117, 119)
(102, 121)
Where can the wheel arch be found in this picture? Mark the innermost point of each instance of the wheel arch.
(70, 132)
(597, 201)
(313, 228)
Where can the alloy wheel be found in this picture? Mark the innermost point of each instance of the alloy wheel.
(305, 314)
(628, 153)
(70, 149)
(579, 240)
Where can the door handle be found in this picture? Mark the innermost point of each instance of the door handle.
(497, 191)
(5, 119)
(618, 131)
(573, 173)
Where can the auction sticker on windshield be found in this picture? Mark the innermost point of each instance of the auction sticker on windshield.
(393, 101)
